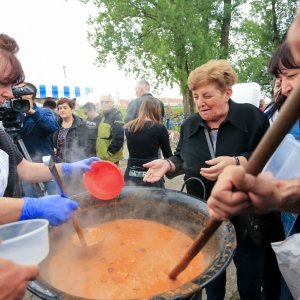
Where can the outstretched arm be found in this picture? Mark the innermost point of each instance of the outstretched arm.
(157, 169)
(55, 208)
(38, 172)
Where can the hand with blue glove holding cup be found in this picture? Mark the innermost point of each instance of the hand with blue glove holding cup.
(78, 167)
(55, 208)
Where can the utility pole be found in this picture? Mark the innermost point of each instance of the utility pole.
(65, 75)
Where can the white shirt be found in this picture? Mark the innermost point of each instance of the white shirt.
(3, 171)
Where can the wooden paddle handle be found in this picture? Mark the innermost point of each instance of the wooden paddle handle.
(205, 234)
(289, 114)
(63, 192)
(79, 231)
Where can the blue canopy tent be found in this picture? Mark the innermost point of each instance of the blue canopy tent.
(58, 91)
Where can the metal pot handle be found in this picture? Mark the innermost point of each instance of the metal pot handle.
(198, 179)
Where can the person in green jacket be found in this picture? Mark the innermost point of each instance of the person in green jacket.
(110, 140)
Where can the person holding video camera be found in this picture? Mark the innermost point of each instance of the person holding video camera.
(38, 125)
(55, 208)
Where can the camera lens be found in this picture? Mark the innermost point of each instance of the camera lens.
(17, 105)
(20, 105)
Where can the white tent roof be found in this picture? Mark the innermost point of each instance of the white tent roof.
(62, 90)
(247, 93)
(93, 97)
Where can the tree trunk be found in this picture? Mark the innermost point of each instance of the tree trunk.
(188, 102)
(276, 37)
(225, 29)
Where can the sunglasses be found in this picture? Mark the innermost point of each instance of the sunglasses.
(105, 102)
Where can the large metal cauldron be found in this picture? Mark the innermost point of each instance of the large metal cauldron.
(171, 208)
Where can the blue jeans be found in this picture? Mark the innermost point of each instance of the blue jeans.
(249, 262)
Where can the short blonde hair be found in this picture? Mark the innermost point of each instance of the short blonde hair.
(219, 72)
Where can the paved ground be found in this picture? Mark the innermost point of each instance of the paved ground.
(176, 184)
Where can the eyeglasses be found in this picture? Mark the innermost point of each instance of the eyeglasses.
(105, 102)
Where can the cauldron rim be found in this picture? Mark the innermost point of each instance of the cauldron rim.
(46, 291)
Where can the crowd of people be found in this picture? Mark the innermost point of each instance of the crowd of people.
(214, 147)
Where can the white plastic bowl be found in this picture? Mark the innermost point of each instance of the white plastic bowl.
(284, 163)
(25, 242)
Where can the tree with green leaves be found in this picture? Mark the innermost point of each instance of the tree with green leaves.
(260, 33)
(164, 40)
(167, 38)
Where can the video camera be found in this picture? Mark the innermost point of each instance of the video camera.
(11, 109)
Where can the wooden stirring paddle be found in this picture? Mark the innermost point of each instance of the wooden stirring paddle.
(49, 162)
(289, 114)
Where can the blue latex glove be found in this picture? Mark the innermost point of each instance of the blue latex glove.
(55, 208)
(78, 167)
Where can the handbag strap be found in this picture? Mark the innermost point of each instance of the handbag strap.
(209, 143)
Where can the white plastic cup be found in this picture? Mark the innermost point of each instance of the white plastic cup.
(25, 242)
(285, 162)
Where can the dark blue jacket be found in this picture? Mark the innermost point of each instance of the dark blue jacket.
(36, 132)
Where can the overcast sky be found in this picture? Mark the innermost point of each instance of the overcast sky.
(52, 34)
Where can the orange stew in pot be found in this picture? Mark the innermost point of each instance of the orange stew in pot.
(132, 261)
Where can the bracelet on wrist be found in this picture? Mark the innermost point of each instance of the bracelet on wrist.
(170, 164)
(237, 161)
